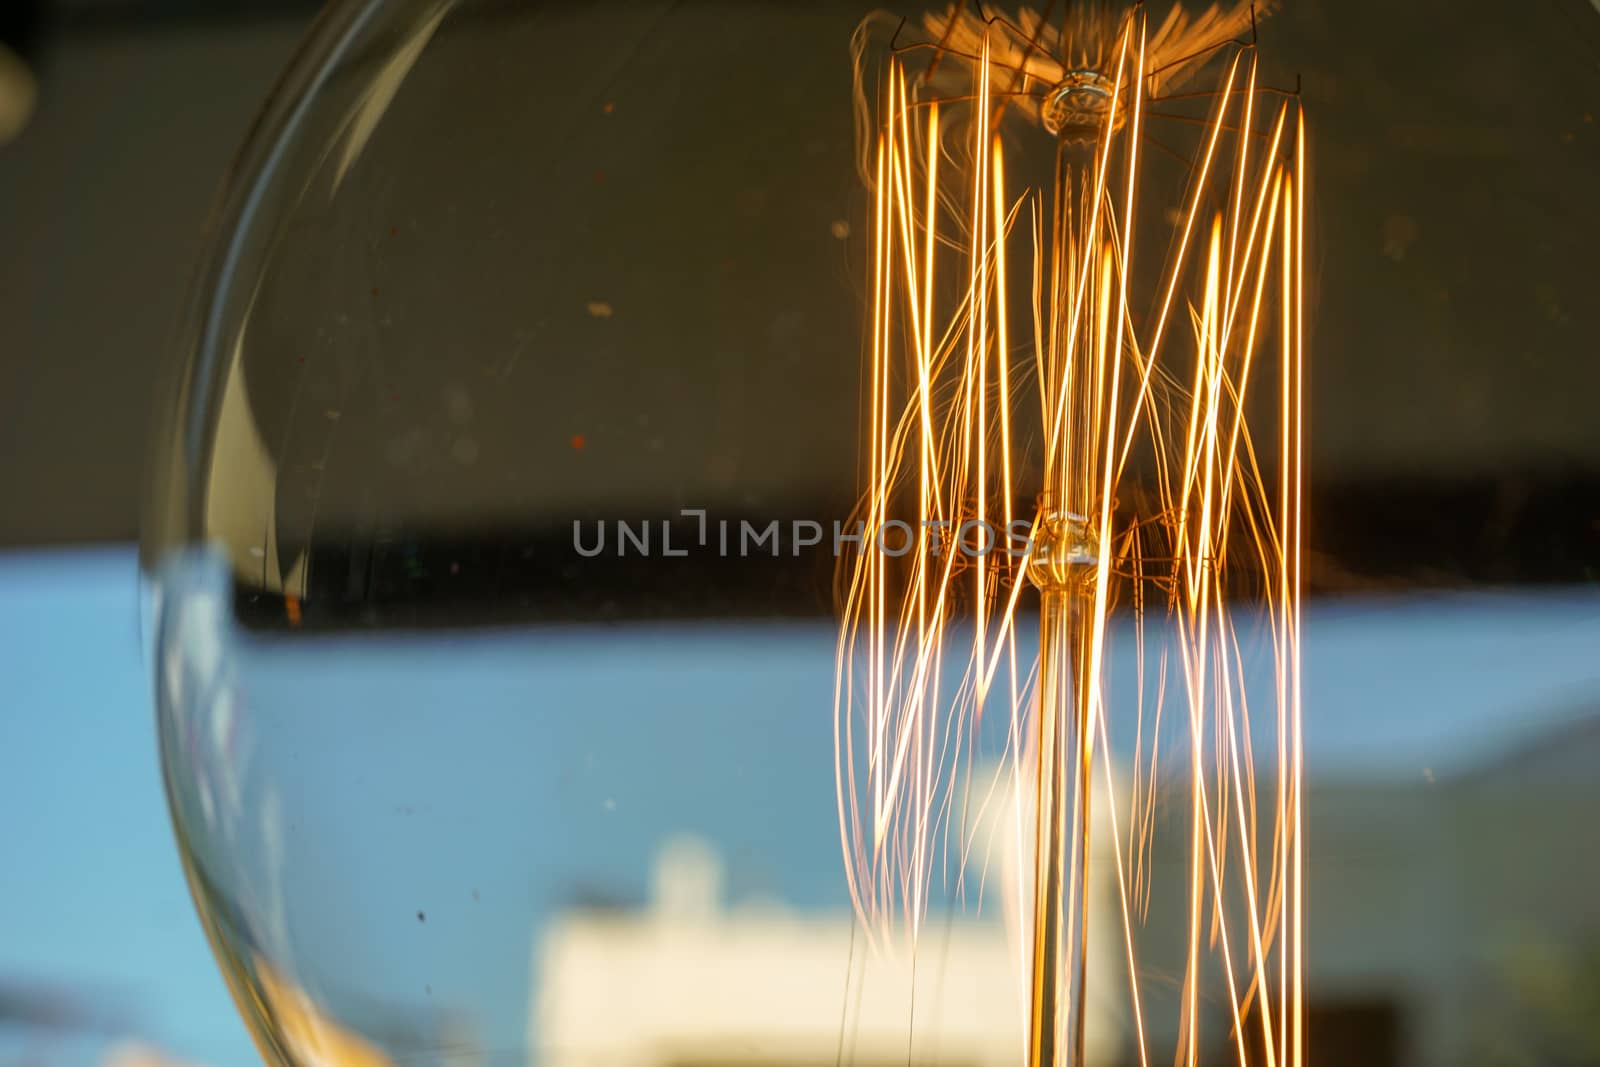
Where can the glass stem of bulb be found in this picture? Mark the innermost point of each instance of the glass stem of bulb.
(1064, 571)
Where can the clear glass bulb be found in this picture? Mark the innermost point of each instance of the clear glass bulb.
(509, 498)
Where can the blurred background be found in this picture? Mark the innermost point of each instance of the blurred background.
(1453, 663)
(117, 123)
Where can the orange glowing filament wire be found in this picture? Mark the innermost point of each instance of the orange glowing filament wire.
(1168, 493)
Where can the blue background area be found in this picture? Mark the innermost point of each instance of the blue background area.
(93, 905)
(92, 899)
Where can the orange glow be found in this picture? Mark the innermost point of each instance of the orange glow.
(1166, 443)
